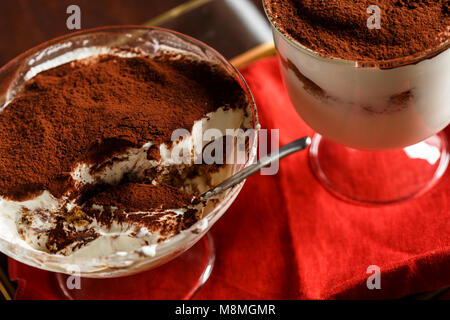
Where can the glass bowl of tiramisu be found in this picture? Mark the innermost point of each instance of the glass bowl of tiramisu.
(372, 78)
(103, 138)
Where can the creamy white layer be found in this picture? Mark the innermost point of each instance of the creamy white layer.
(109, 239)
(368, 108)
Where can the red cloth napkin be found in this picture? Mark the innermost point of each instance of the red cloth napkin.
(285, 237)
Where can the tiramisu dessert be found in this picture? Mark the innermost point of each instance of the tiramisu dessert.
(368, 74)
(88, 164)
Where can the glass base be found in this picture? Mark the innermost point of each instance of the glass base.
(178, 279)
(379, 177)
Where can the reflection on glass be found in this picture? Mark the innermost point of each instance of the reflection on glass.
(229, 26)
(424, 150)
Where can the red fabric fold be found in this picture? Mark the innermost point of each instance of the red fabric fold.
(285, 237)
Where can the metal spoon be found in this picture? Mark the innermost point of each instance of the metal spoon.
(284, 151)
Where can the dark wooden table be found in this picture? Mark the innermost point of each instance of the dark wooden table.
(26, 23)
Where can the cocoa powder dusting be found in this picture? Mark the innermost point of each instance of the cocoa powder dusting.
(63, 235)
(87, 111)
(136, 197)
(309, 85)
(338, 28)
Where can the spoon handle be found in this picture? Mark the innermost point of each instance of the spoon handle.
(284, 151)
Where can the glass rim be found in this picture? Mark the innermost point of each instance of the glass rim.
(369, 64)
(170, 245)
